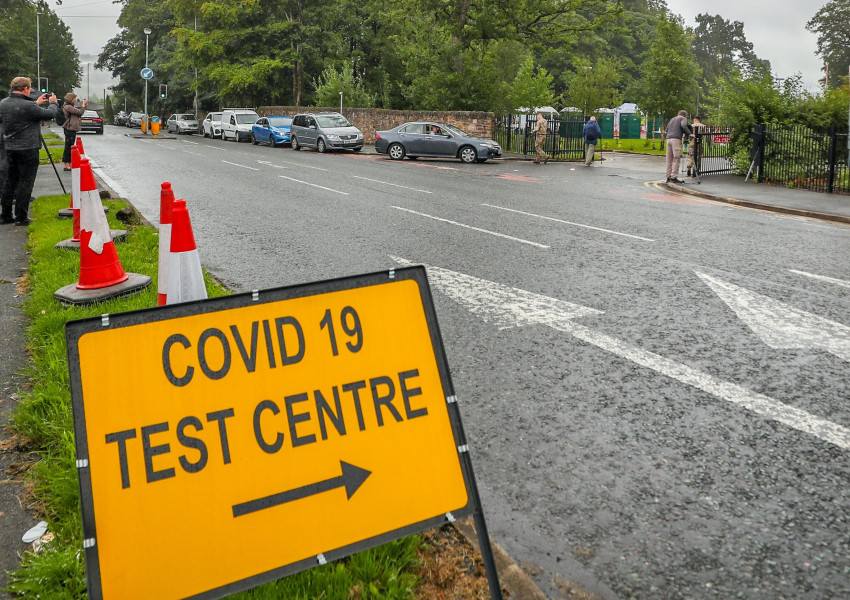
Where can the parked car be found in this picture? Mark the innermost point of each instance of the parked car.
(135, 119)
(211, 125)
(91, 121)
(325, 131)
(236, 123)
(182, 123)
(272, 130)
(437, 140)
(121, 118)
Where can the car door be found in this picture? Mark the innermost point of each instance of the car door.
(438, 142)
(261, 130)
(311, 132)
(413, 138)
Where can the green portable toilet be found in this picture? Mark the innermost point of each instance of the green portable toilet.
(629, 126)
(606, 123)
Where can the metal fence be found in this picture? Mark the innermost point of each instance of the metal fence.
(713, 150)
(515, 133)
(801, 157)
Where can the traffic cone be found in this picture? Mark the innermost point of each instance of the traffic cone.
(68, 213)
(73, 243)
(185, 276)
(101, 273)
(79, 144)
(166, 203)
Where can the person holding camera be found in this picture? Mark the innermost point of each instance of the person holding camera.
(72, 125)
(20, 117)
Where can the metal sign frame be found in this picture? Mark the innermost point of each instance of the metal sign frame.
(75, 330)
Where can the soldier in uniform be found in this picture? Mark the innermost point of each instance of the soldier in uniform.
(540, 139)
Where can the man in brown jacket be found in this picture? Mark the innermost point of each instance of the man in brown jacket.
(540, 132)
(72, 125)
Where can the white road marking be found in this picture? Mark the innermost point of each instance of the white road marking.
(512, 307)
(268, 164)
(188, 142)
(289, 162)
(781, 326)
(637, 237)
(840, 282)
(321, 187)
(501, 235)
(238, 165)
(392, 184)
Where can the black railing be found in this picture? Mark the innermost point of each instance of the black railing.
(801, 157)
(713, 150)
(515, 133)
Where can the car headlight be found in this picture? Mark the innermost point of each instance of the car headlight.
(333, 137)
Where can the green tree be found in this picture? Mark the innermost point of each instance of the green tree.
(721, 48)
(669, 72)
(332, 83)
(830, 25)
(595, 86)
(530, 88)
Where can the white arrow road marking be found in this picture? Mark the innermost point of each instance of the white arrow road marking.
(840, 282)
(512, 307)
(267, 163)
(781, 326)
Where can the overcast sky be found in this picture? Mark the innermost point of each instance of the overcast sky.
(777, 28)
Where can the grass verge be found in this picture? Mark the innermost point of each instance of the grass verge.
(43, 425)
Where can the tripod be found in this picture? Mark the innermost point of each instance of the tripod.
(50, 158)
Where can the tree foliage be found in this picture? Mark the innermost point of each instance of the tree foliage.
(595, 86)
(830, 24)
(721, 48)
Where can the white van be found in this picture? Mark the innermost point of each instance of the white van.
(236, 123)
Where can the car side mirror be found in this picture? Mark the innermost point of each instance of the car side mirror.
(312, 127)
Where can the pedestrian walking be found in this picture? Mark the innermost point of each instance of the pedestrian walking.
(592, 133)
(540, 130)
(21, 116)
(677, 128)
(72, 125)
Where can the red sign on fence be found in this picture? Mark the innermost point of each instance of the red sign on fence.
(720, 138)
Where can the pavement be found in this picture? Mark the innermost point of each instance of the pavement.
(15, 518)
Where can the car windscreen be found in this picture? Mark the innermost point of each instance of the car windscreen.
(247, 119)
(185, 117)
(280, 121)
(330, 121)
(90, 114)
(136, 115)
(455, 131)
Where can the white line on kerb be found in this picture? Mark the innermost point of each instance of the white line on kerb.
(501, 235)
(238, 165)
(321, 187)
(840, 282)
(392, 184)
(637, 237)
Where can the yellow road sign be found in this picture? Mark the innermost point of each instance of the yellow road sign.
(229, 442)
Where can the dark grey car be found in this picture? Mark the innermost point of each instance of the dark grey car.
(434, 140)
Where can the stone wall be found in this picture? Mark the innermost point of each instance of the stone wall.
(370, 120)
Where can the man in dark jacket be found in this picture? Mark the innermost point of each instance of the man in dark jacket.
(20, 119)
(592, 133)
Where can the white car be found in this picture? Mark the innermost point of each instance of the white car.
(212, 125)
(237, 123)
(182, 123)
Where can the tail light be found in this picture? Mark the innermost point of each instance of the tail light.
(377, 137)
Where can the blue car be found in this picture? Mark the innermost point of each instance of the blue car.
(272, 130)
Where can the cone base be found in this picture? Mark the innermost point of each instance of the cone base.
(118, 235)
(67, 213)
(70, 295)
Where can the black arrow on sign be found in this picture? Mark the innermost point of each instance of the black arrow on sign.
(351, 479)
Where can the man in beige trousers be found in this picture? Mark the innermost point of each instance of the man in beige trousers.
(540, 130)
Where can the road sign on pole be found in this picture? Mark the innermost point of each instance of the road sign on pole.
(147, 73)
(320, 417)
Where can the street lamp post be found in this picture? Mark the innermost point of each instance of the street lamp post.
(38, 48)
(340, 103)
(147, 119)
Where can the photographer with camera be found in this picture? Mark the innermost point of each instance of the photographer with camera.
(21, 115)
(72, 125)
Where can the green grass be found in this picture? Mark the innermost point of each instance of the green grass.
(641, 146)
(43, 423)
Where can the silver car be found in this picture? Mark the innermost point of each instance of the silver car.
(182, 123)
(211, 125)
(434, 140)
(325, 131)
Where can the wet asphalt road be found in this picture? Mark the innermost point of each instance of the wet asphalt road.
(654, 387)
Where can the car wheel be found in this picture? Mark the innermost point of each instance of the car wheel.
(467, 154)
(271, 140)
(396, 151)
(320, 146)
(205, 133)
(254, 139)
(295, 145)
(221, 135)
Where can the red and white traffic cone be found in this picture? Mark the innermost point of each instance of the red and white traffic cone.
(101, 273)
(185, 276)
(68, 213)
(79, 144)
(166, 204)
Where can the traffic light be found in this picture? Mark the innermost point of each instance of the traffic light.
(43, 84)
(163, 90)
